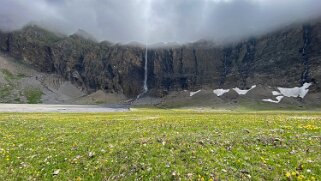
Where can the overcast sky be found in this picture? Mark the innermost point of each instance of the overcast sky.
(159, 20)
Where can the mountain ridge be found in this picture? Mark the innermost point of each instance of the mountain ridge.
(275, 59)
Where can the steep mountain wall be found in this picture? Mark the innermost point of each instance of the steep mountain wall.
(288, 58)
(88, 64)
(285, 58)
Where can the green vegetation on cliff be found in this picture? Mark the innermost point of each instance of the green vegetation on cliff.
(161, 145)
(33, 95)
(5, 91)
(7, 75)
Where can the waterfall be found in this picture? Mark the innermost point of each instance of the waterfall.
(145, 72)
(305, 53)
(223, 74)
(306, 40)
(145, 87)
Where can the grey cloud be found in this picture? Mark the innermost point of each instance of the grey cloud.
(159, 20)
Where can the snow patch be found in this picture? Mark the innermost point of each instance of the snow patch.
(295, 91)
(220, 92)
(278, 99)
(243, 92)
(289, 92)
(276, 93)
(193, 93)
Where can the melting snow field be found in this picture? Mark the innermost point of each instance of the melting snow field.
(193, 93)
(243, 92)
(220, 92)
(278, 99)
(283, 92)
(276, 93)
(289, 92)
(295, 91)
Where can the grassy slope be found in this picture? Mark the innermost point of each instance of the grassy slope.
(239, 104)
(33, 95)
(161, 144)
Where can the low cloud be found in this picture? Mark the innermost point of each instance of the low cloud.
(159, 20)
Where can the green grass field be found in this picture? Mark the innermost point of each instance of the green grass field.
(161, 145)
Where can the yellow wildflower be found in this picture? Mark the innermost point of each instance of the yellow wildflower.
(300, 177)
(288, 174)
(294, 173)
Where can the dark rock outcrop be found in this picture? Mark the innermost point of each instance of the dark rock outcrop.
(90, 65)
(288, 58)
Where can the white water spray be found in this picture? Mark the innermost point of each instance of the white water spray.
(145, 87)
(145, 72)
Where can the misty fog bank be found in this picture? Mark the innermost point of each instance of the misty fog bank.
(154, 21)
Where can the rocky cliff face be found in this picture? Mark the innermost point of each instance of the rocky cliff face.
(89, 65)
(286, 58)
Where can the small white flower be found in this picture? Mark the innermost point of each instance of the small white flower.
(91, 154)
(56, 172)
